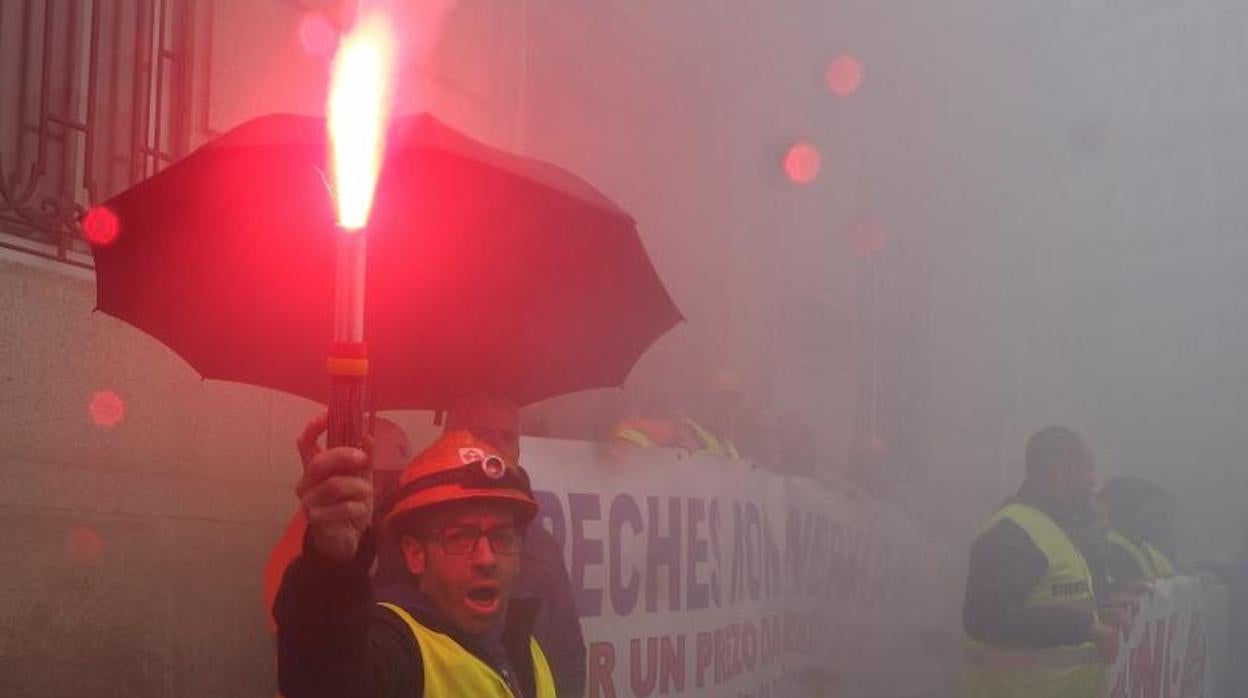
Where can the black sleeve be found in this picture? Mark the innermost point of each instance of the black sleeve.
(333, 641)
(1095, 548)
(558, 627)
(1121, 567)
(1005, 566)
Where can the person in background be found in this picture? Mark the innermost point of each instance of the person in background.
(1141, 517)
(871, 468)
(534, 421)
(795, 449)
(1030, 612)
(712, 419)
(1237, 624)
(658, 424)
(756, 437)
(1232, 571)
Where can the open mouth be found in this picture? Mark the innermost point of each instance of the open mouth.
(483, 599)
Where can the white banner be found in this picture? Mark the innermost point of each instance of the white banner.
(1166, 651)
(700, 577)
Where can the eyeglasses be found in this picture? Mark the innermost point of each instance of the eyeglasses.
(504, 540)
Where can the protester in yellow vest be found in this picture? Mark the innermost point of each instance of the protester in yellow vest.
(459, 511)
(1030, 612)
(658, 424)
(1141, 519)
(710, 443)
(714, 412)
(664, 422)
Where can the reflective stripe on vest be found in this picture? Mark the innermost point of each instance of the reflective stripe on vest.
(1161, 563)
(1072, 671)
(712, 444)
(989, 657)
(1152, 562)
(633, 435)
(451, 670)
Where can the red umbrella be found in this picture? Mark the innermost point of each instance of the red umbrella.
(488, 273)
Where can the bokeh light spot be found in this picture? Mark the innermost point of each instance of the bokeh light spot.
(106, 408)
(868, 235)
(317, 34)
(802, 163)
(844, 75)
(100, 226)
(84, 545)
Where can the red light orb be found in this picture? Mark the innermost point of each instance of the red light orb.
(802, 162)
(317, 34)
(868, 235)
(100, 226)
(106, 408)
(844, 75)
(84, 545)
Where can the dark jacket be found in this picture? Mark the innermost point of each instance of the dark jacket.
(1122, 567)
(334, 641)
(1005, 567)
(544, 577)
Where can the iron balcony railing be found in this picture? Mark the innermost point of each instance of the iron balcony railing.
(95, 95)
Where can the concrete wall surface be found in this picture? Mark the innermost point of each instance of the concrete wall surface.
(132, 553)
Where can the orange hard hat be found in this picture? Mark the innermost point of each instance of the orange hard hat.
(458, 467)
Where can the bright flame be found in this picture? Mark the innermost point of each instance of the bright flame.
(359, 103)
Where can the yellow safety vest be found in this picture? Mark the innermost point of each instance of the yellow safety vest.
(1153, 563)
(633, 435)
(452, 671)
(716, 446)
(1069, 671)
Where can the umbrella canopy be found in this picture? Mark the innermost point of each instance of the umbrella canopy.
(488, 273)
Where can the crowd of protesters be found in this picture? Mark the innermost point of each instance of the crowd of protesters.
(719, 420)
(1049, 573)
(1055, 569)
(346, 554)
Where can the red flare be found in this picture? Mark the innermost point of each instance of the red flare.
(359, 105)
